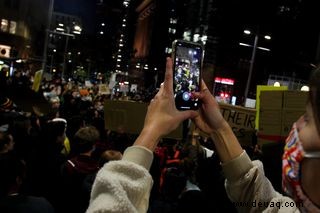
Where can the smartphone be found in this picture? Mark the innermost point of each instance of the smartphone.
(187, 66)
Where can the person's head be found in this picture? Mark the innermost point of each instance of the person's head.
(13, 171)
(55, 102)
(302, 151)
(6, 104)
(6, 142)
(54, 132)
(109, 155)
(85, 139)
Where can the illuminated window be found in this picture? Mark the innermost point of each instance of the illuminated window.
(4, 25)
(168, 50)
(173, 21)
(172, 30)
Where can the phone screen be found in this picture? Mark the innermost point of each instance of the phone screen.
(187, 58)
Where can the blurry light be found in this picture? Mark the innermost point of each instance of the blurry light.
(59, 29)
(126, 3)
(248, 32)
(119, 56)
(76, 32)
(243, 44)
(196, 37)
(137, 66)
(69, 61)
(79, 53)
(60, 24)
(1, 62)
(155, 68)
(248, 45)
(121, 45)
(124, 20)
(69, 53)
(54, 50)
(276, 84)
(103, 24)
(304, 88)
(123, 25)
(265, 49)
(267, 37)
(204, 39)
(126, 82)
(121, 35)
(54, 70)
(101, 32)
(19, 61)
(77, 28)
(118, 65)
(119, 59)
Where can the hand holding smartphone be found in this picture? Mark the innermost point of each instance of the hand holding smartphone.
(187, 66)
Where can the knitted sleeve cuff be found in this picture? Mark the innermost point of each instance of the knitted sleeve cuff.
(237, 167)
(139, 155)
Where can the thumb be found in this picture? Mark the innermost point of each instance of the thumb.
(183, 115)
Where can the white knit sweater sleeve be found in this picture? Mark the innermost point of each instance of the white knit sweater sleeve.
(250, 190)
(123, 186)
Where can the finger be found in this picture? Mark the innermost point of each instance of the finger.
(203, 85)
(161, 89)
(168, 79)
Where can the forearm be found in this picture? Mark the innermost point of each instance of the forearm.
(226, 143)
(148, 138)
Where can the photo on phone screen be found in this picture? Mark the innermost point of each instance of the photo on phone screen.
(187, 59)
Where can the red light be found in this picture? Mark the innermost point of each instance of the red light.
(222, 94)
(226, 95)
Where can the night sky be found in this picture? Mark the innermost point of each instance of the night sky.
(289, 22)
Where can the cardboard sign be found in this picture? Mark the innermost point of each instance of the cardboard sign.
(104, 89)
(130, 115)
(241, 120)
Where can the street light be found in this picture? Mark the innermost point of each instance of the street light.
(253, 56)
(46, 40)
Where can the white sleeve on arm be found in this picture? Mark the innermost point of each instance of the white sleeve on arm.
(246, 184)
(124, 185)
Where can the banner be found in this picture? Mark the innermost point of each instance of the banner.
(130, 115)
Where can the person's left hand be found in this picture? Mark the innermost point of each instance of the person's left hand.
(162, 116)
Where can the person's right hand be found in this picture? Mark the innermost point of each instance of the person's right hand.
(209, 118)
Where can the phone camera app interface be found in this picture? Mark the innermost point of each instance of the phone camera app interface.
(187, 75)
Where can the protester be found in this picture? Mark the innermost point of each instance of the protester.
(124, 185)
(245, 179)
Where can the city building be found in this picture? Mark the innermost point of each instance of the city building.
(22, 31)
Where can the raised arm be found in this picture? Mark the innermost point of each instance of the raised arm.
(211, 121)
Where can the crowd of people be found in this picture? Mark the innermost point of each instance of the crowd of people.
(64, 160)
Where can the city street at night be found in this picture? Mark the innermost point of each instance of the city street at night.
(159, 106)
